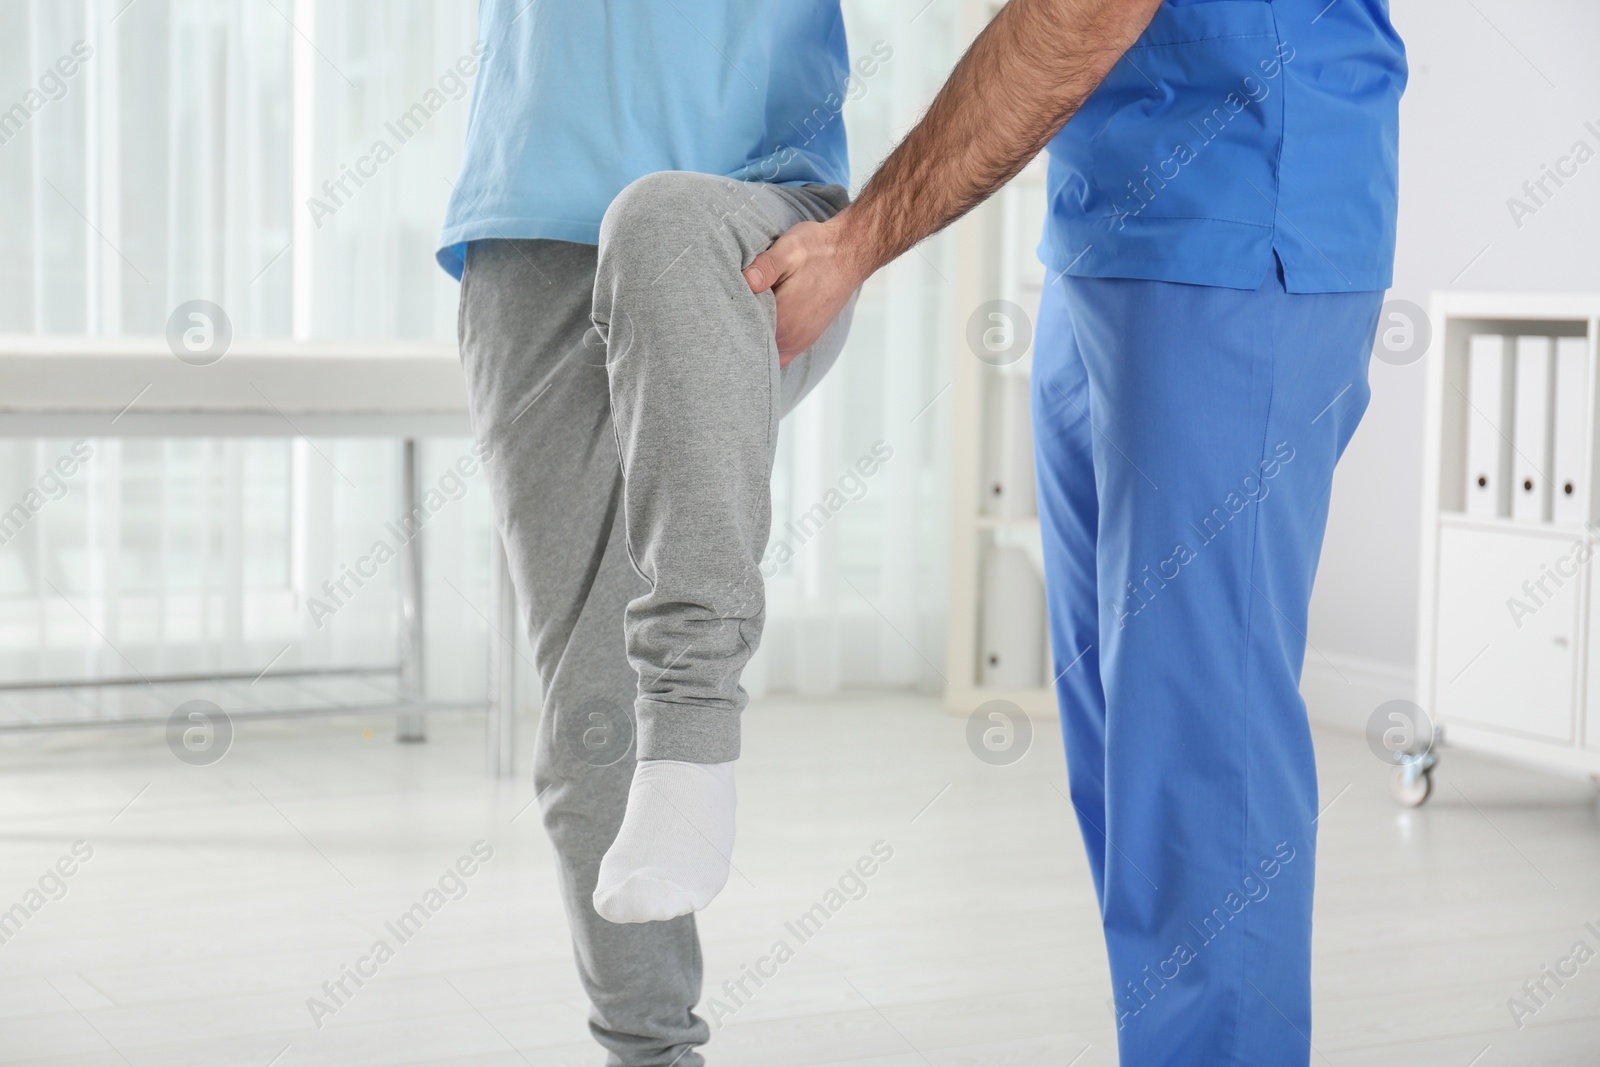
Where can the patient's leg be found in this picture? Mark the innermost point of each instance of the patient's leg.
(539, 399)
(696, 395)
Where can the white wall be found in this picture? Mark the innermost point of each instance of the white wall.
(1498, 89)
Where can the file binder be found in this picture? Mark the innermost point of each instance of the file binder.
(1013, 620)
(1569, 470)
(1489, 390)
(1008, 475)
(1531, 458)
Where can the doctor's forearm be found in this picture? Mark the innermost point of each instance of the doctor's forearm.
(1024, 76)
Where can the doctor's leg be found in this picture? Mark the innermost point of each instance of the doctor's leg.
(1069, 514)
(1217, 418)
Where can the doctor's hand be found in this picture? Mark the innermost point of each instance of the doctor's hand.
(1020, 81)
(812, 271)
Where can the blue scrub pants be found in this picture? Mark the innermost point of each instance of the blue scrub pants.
(1186, 440)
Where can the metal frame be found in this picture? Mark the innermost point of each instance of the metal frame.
(200, 676)
(500, 728)
(411, 726)
(238, 714)
(410, 711)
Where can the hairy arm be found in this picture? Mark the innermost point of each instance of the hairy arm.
(1025, 75)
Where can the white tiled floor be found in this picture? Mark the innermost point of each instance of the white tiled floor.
(219, 899)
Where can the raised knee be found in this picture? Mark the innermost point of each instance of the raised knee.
(658, 218)
(649, 201)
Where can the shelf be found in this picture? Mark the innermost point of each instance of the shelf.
(1558, 531)
(1559, 307)
(997, 522)
(1508, 635)
(1038, 704)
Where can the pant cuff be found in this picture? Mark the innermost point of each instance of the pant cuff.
(687, 732)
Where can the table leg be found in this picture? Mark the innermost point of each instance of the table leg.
(501, 721)
(411, 726)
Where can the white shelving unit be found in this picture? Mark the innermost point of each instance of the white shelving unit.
(1523, 685)
(997, 263)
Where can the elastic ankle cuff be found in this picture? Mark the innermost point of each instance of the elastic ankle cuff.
(688, 733)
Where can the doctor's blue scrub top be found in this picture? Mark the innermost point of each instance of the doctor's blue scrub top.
(1233, 129)
(577, 98)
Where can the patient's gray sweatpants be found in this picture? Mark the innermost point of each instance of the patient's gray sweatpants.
(631, 395)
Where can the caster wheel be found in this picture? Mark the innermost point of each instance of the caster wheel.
(1411, 786)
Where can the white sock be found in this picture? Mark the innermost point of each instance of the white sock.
(673, 852)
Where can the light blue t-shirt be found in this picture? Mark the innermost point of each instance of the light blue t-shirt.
(1231, 133)
(577, 98)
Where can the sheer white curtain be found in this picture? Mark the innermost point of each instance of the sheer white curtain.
(290, 160)
(863, 600)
